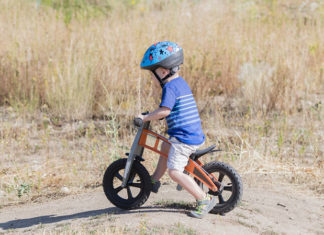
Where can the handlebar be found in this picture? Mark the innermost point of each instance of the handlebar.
(138, 122)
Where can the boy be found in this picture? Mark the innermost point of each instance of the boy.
(184, 127)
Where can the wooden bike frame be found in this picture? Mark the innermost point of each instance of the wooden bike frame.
(153, 141)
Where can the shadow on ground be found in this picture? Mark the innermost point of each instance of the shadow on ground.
(49, 219)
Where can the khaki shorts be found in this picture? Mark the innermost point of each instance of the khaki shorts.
(179, 154)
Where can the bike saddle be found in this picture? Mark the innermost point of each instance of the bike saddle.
(199, 153)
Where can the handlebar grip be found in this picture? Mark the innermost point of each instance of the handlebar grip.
(138, 122)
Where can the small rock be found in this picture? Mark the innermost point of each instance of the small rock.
(2, 193)
(65, 189)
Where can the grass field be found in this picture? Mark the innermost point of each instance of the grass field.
(71, 85)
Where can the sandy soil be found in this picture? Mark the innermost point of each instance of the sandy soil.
(264, 210)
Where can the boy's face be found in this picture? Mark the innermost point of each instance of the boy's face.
(161, 72)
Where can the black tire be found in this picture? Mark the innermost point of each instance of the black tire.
(233, 187)
(138, 187)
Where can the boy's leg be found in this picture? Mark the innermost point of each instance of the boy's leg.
(162, 164)
(187, 183)
(178, 159)
(205, 202)
(160, 169)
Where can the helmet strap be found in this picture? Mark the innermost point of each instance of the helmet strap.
(161, 81)
(158, 78)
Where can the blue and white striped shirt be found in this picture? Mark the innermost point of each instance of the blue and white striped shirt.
(184, 121)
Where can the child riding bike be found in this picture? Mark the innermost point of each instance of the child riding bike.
(178, 106)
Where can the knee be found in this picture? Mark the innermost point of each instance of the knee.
(173, 173)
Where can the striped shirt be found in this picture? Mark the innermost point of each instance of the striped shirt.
(183, 121)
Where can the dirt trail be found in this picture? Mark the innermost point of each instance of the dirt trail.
(263, 210)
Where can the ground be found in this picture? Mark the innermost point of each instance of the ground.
(265, 209)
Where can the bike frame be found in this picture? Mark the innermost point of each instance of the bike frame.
(135, 152)
(146, 138)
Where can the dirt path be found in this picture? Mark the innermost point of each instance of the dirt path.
(262, 211)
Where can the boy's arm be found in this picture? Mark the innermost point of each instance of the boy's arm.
(159, 113)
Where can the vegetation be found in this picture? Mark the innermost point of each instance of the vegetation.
(71, 84)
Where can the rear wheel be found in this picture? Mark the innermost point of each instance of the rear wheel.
(138, 187)
(232, 185)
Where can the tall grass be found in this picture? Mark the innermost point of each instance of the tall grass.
(268, 53)
(255, 68)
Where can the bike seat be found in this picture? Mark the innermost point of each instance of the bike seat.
(201, 152)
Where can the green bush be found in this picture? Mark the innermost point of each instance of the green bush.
(78, 8)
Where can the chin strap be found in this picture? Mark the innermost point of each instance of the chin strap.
(161, 80)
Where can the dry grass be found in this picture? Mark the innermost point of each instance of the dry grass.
(70, 87)
(270, 54)
(102, 227)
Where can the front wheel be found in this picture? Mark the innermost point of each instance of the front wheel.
(232, 191)
(138, 187)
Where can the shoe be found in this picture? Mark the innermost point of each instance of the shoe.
(155, 186)
(203, 207)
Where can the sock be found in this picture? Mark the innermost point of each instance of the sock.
(153, 180)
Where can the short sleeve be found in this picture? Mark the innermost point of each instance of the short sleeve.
(168, 98)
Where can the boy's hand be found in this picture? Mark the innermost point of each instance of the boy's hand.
(141, 116)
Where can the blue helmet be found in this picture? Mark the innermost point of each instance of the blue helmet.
(162, 54)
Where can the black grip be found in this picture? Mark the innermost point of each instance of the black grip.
(138, 122)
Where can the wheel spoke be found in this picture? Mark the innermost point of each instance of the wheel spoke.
(131, 177)
(221, 177)
(137, 185)
(228, 188)
(221, 199)
(117, 190)
(129, 193)
(119, 176)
